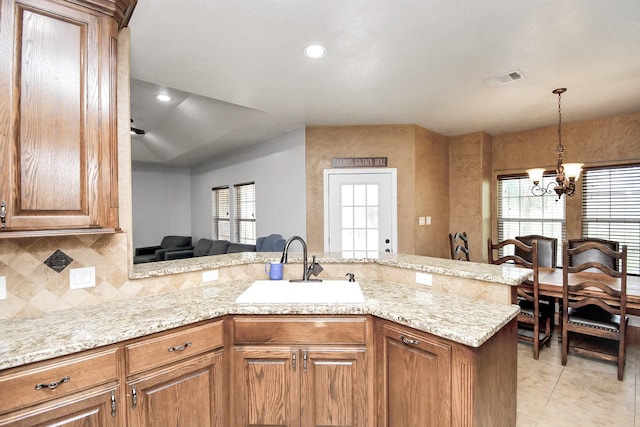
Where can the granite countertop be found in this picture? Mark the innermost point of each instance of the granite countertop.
(465, 321)
(504, 274)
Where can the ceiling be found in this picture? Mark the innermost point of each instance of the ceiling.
(237, 75)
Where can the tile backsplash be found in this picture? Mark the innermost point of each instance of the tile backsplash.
(33, 288)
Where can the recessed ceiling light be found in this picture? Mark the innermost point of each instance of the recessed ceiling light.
(315, 51)
(163, 97)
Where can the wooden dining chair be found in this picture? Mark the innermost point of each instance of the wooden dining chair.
(534, 319)
(459, 246)
(547, 257)
(595, 304)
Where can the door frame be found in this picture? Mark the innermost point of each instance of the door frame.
(361, 171)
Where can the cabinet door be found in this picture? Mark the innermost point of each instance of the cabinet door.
(414, 379)
(265, 387)
(57, 120)
(187, 394)
(92, 408)
(334, 387)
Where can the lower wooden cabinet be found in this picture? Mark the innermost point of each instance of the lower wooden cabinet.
(414, 378)
(177, 378)
(184, 394)
(76, 390)
(92, 408)
(423, 380)
(301, 371)
(299, 386)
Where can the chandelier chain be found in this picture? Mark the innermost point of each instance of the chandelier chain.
(560, 149)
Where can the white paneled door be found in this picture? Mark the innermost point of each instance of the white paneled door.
(360, 211)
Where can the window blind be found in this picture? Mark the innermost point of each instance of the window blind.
(520, 213)
(221, 216)
(245, 213)
(611, 208)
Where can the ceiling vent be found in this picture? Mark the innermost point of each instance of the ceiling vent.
(503, 79)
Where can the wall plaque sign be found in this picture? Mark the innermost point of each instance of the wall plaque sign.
(359, 162)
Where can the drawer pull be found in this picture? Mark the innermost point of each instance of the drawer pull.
(3, 214)
(293, 360)
(409, 341)
(304, 361)
(180, 348)
(53, 385)
(113, 403)
(134, 397)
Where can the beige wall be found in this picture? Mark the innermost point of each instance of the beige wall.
(470, 188)
(604, 141)
(421, 159)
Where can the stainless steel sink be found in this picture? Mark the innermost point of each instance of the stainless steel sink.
(285, 292)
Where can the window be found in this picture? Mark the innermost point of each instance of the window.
(611, 208)
(244, 202)
(521, 213)
(221, 213)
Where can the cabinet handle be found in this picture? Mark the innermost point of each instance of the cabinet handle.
(293, 360)
(409, 341)
(180, 347)
(113, 403)
(304, 361)
(3, 214)
(53, 385)
(134, 397)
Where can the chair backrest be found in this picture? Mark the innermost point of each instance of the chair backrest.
(613, 281)
(547, 249)
(509, 248)
(459, 246)
(581, 257)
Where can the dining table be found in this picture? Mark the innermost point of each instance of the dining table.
(550, 285)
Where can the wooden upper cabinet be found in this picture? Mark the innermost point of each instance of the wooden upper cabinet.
(58, 129)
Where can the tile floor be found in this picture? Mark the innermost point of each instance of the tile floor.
(585, 392)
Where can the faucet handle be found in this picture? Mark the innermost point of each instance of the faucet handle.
(351, 277)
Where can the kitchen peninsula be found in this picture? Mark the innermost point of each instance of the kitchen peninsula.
(457, 336)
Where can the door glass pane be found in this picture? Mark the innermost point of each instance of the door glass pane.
(359, 195)
(347, 217)
(360, 217)
(347, 195)
(360, 220)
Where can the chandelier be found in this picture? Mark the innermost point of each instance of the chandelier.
(566, 173)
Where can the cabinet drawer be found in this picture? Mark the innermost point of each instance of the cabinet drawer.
(171, 347)
(56, 378)
(300, 330)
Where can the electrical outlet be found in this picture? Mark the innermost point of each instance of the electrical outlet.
(210, 276)
(424, 279)
(428, 220)
(3, 287)
(82, 277)
(421, 220)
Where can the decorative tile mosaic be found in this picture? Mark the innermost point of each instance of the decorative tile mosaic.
(58, 261)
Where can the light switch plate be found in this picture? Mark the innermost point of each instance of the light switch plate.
(210, 276)
(421, 220)
(3, 287)
(82, 277)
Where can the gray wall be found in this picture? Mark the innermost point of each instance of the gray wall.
(277, 166)
(178, 200)
(161, 203)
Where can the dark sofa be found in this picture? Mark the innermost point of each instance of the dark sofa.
(208, 247)
(157, 253)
